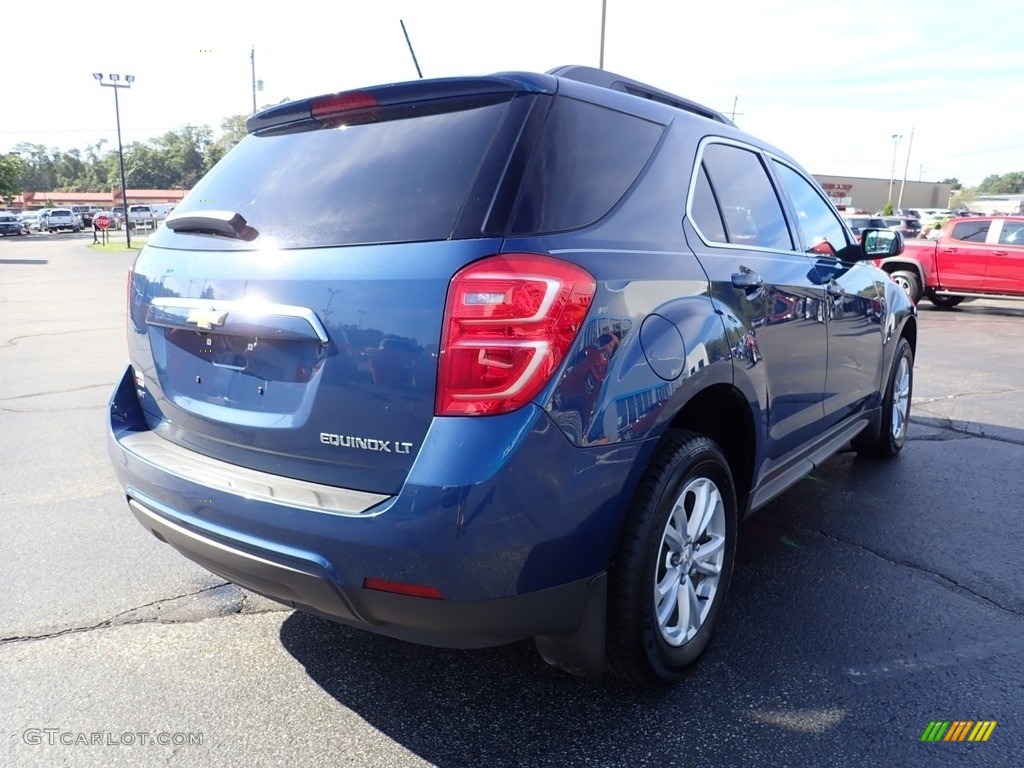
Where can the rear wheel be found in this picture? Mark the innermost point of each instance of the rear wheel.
(944, 302)
(671, 574)
(909, 282)
(895, 409)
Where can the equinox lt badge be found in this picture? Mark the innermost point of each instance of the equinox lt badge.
(364, 443)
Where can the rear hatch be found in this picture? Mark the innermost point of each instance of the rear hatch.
(288, 317)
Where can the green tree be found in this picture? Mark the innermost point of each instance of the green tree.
(10, 177)
(37, 171)
(953, 182)
(1007, 184)
(183, 154)
(887, 211)
(232, 131)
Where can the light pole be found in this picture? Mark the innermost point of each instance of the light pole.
(115, 83)
(892, 176)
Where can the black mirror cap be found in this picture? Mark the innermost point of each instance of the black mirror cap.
(881, 243)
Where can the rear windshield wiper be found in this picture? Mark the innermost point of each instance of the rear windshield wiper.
(223, 223)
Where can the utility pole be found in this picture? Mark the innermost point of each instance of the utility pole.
(735, 101)
(256, 84)
(892, 176)
(906, 168)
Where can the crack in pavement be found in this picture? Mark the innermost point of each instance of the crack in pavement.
(13, 341)
(958, 395)
(56, 392)
(946, 581)
(138, 615)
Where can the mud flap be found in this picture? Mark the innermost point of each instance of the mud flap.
(581, 653)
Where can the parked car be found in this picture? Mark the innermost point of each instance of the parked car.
(860, 223)
(584, 353)
(56, 219)
(29, 221)
(85, 212)
(974, 256)
(141, 216)
(10, 224)
(910, 226)
(114, 220)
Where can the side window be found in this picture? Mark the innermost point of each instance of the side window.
(1012, 234)
(815, 219)
(750, 207)
(971, 231)
(704, 210)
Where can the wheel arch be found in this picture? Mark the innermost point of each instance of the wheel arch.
(722, 413)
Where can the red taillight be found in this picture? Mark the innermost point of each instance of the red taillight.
(401, 588)
(508, 323)
(327, 107)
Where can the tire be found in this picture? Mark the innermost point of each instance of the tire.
(944, 302)
(909, 282)
(654, 631)
(895, 409)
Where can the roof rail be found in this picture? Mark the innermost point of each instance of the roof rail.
(604, 79)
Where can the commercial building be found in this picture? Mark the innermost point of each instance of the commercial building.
(864, 194)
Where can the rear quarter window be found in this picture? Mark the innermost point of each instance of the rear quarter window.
(585, 160)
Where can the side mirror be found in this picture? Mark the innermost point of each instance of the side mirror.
(881, 243)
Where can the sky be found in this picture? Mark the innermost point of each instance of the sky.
(829, 83)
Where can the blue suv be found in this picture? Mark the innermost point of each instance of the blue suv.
(473, 360)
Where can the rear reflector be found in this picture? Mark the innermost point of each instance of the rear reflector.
(509, 322)
(399, 588)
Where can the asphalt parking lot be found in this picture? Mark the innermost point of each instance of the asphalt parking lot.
(868, 601)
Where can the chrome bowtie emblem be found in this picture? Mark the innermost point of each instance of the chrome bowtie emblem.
(206, 319)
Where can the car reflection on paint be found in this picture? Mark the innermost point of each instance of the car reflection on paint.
(582, 381)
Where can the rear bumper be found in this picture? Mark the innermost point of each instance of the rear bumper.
(306, 582)
(516, 538)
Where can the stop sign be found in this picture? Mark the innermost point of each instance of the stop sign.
(102, 221)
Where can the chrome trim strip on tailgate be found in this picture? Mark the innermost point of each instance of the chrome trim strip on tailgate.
(249, 483)
(162, 312)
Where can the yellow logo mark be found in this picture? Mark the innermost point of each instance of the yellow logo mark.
(206, 320)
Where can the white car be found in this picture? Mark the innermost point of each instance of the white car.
(54, 219)
(29, 221)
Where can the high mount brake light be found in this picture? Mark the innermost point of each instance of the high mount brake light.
(338, 104)
(509, 322)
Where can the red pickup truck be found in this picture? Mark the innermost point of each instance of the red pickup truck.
(980, 256)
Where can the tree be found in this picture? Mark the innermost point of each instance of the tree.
(887, 211)
(37, 173)
(954, 183)
(10, 177)
(184, 154)
(232, 131)
(1007, 184)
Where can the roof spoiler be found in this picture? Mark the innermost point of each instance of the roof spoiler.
(604, 79)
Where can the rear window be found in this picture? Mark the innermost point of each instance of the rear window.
(400, 180)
